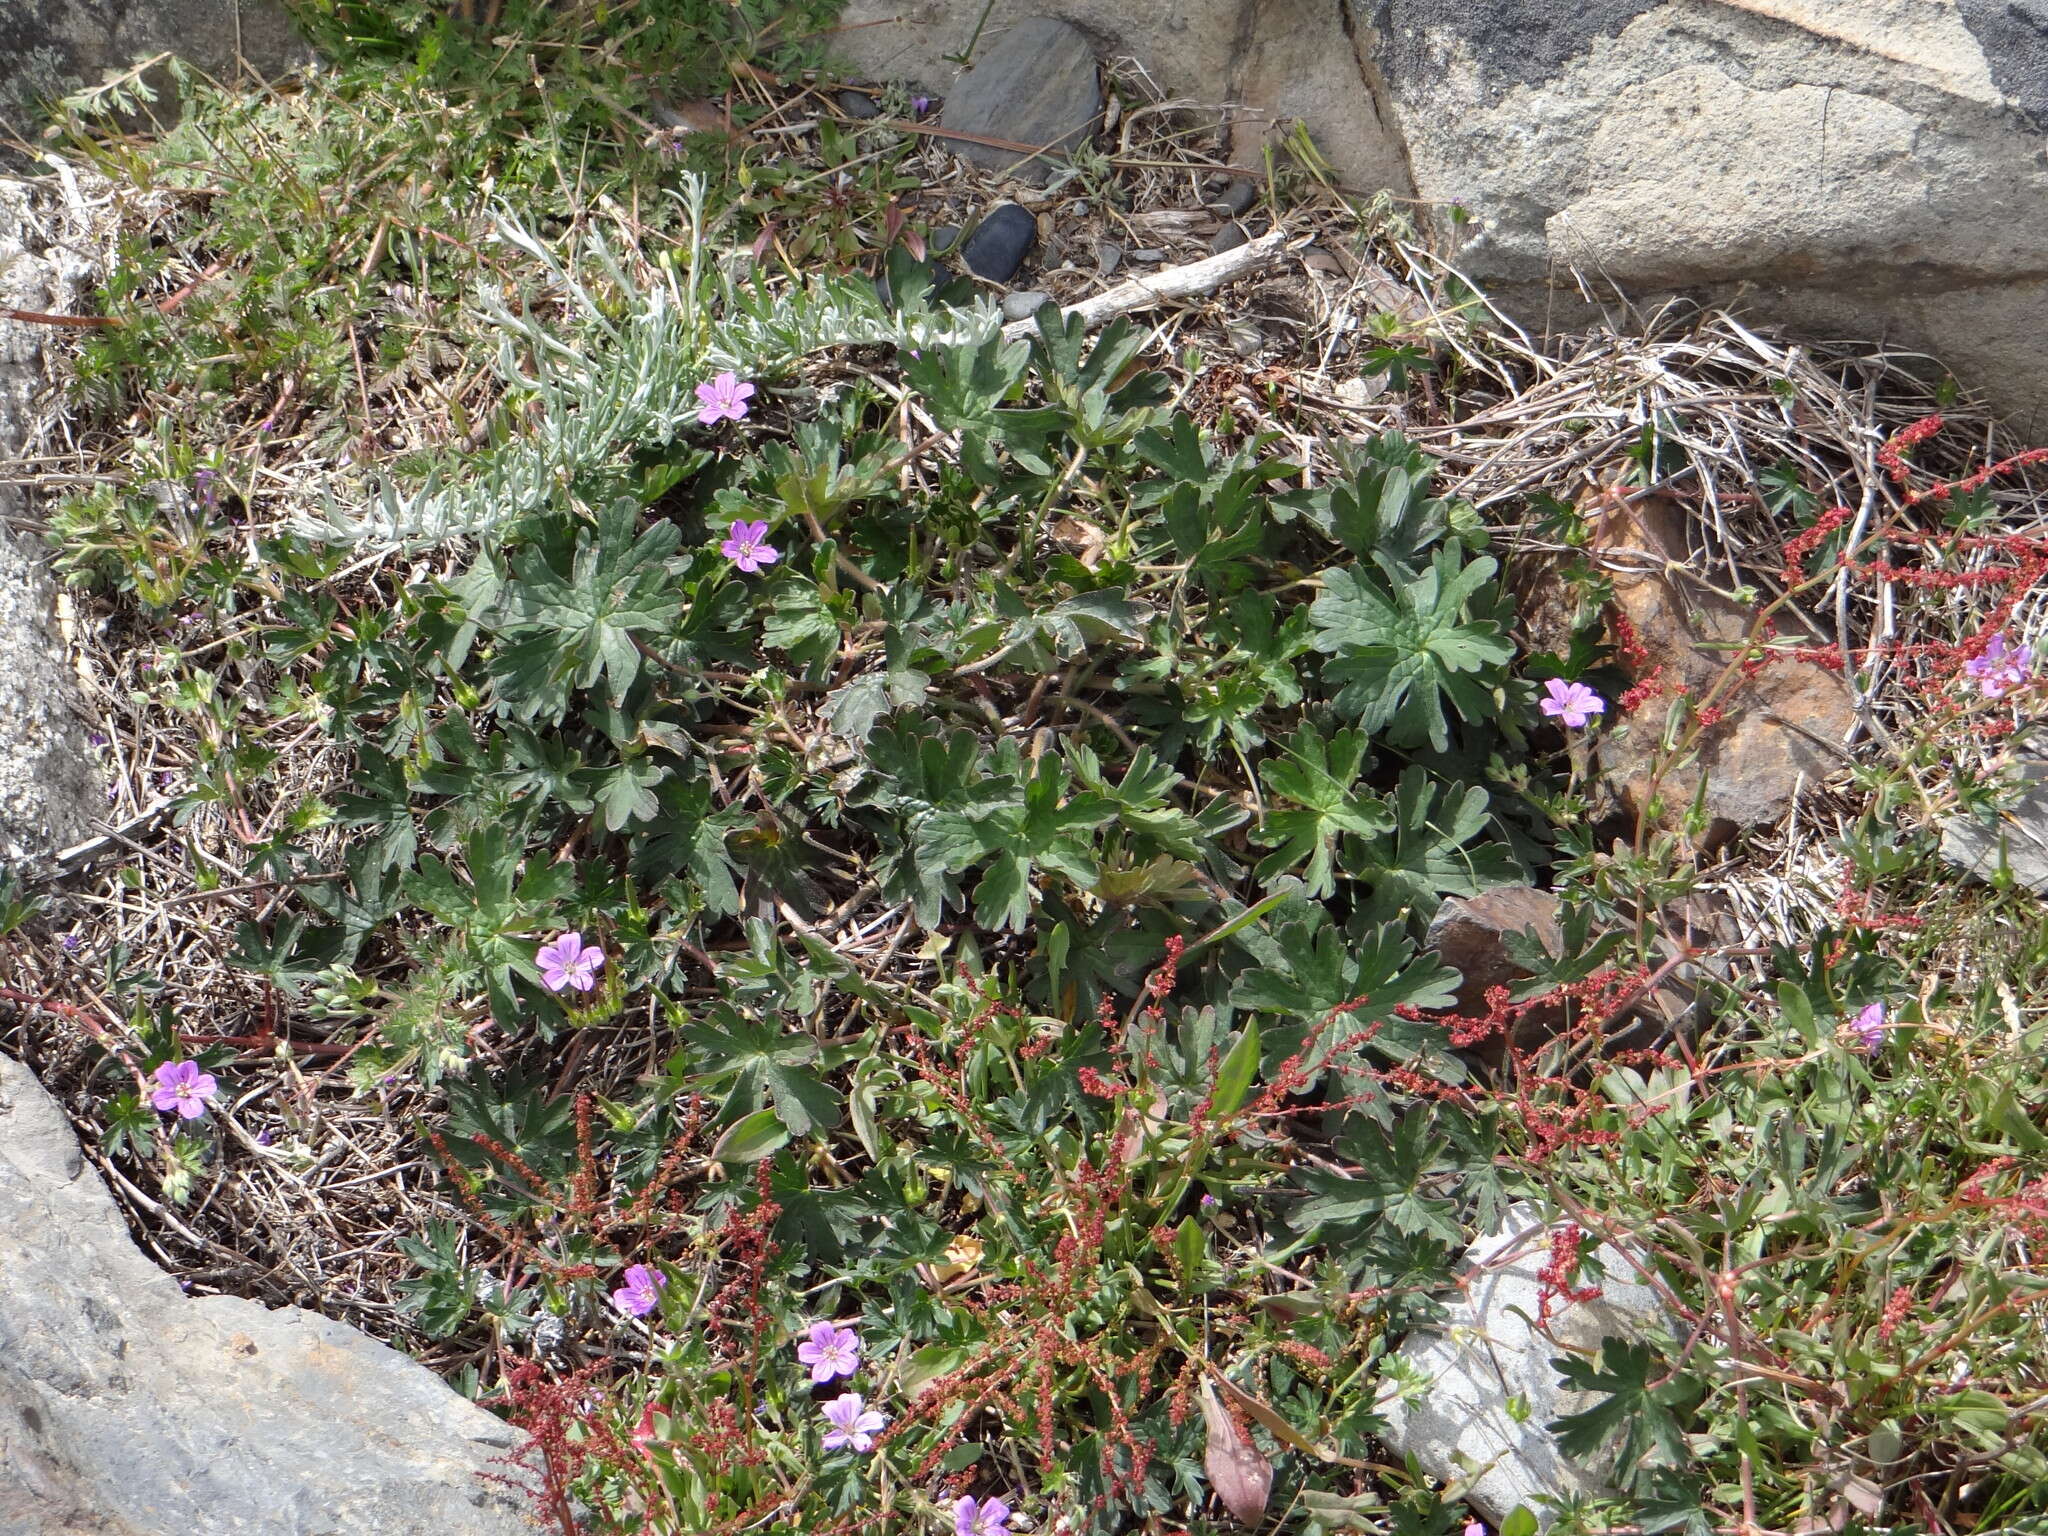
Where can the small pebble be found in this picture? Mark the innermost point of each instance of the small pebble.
(999, 244)
(1148, 255)
(945, 237)
(857, 104)
(1021, 306)
(1108, 257)
(1228, 238)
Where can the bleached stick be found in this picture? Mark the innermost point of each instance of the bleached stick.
(1167, 284)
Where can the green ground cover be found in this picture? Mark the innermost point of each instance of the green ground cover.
(1006, 784)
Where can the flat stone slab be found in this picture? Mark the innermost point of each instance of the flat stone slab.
(2016, 841)
(1488, 1350)
(1035, 84)
(130, 1409)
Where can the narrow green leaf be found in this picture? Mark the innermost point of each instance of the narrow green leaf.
(1234, 1077)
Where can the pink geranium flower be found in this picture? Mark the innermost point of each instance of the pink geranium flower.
(1869, 1026)
(181, 1086)
(1573, 703)
(983, 1517)
(569, 962)
(725, 398)
(2003, 666)
(747, 546)
(641, 1293)
(830, 1351)
(854, 1424)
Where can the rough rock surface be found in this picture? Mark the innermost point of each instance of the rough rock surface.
(2017, 841)
(1868, 168)
(1271, 60)
(48, 47)
(129, 1409)
(1781, 723)
(1488, 1351)
(1860, 167)
(1036, 85)
(1469, 934)
(49, 794)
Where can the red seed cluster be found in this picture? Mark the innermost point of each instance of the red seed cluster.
(1554, 1279)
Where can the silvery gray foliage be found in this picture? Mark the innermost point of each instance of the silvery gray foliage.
(621, 373)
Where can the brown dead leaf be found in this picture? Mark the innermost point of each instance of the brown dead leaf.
(1084, 539)
(697, 114)
(1242, 1478)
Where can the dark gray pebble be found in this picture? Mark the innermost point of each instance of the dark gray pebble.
(1238, 195)
(1000, 243)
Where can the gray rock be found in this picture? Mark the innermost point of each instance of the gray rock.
(1845, 167)
(1272, 61)
(1034, 84)
(50, 47)
(1000, 243)
(1228, 238)
(1108, 257)
(1022, 306)
(1488, 1351)
(2016, 841)
(50, 796)
(128, 1409)
(857, 104)
(1149, 256)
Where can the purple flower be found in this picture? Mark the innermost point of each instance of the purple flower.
(747, 546)
(72, 943)
(853, 1422)
(263, 1137)
(180, 1085)
(1869, 1027)
(725, 398)
(203, 483)
(920, 105)
(2002, 666)
(830, 1351)
(1475, 1528)
(986, 1517)
(641, 1293)
(1574, 703)
(569, 962)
